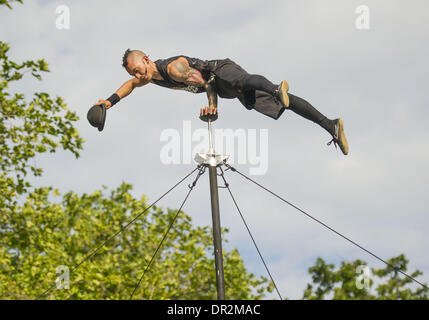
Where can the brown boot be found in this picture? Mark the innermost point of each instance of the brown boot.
(339, 137)
(282, 93)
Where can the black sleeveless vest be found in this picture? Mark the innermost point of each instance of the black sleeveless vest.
(203, 66)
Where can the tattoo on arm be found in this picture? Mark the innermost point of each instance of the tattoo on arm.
(182, 72)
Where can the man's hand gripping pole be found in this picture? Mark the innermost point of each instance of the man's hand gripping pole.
(208, 114)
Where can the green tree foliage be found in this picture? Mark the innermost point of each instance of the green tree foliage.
(29, 128)
(38, 235)
(329, 283)
(8, 3)
(43, 236)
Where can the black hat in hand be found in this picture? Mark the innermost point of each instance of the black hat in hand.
(97, 116)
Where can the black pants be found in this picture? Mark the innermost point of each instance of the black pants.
(297, 104)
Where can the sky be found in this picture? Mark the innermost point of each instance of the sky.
(374, 79)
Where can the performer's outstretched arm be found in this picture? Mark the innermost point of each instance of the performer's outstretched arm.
(179, 70)
(123, 91)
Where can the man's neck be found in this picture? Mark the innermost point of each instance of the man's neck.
(155, 75)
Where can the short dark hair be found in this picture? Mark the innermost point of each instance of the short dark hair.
(125, 57)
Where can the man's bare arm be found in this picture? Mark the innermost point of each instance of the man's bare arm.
(180, 71)
(129, 86)
(211, 94)
(124, 90)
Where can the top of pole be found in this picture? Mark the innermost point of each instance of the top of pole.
(208, 115)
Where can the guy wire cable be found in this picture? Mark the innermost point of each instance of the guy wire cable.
(191, 187)
(328, 227)
(122, 229)
(250, 233)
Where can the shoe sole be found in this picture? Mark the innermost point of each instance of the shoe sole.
(343, 141)
(284, 88)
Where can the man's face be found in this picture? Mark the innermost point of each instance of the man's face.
(139, 68)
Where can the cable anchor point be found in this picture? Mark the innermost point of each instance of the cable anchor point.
(201, 170)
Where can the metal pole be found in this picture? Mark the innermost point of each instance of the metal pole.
(217, 237)
(212, 160)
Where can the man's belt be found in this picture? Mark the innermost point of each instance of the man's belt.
(204, 65)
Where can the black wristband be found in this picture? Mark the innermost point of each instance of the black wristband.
(114, 99)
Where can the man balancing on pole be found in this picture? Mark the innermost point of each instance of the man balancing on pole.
(223, 78)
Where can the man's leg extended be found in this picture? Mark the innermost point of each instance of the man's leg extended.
(296, 104)
(334, 127)
(306, 110)
(299, 106)
(258, 82)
